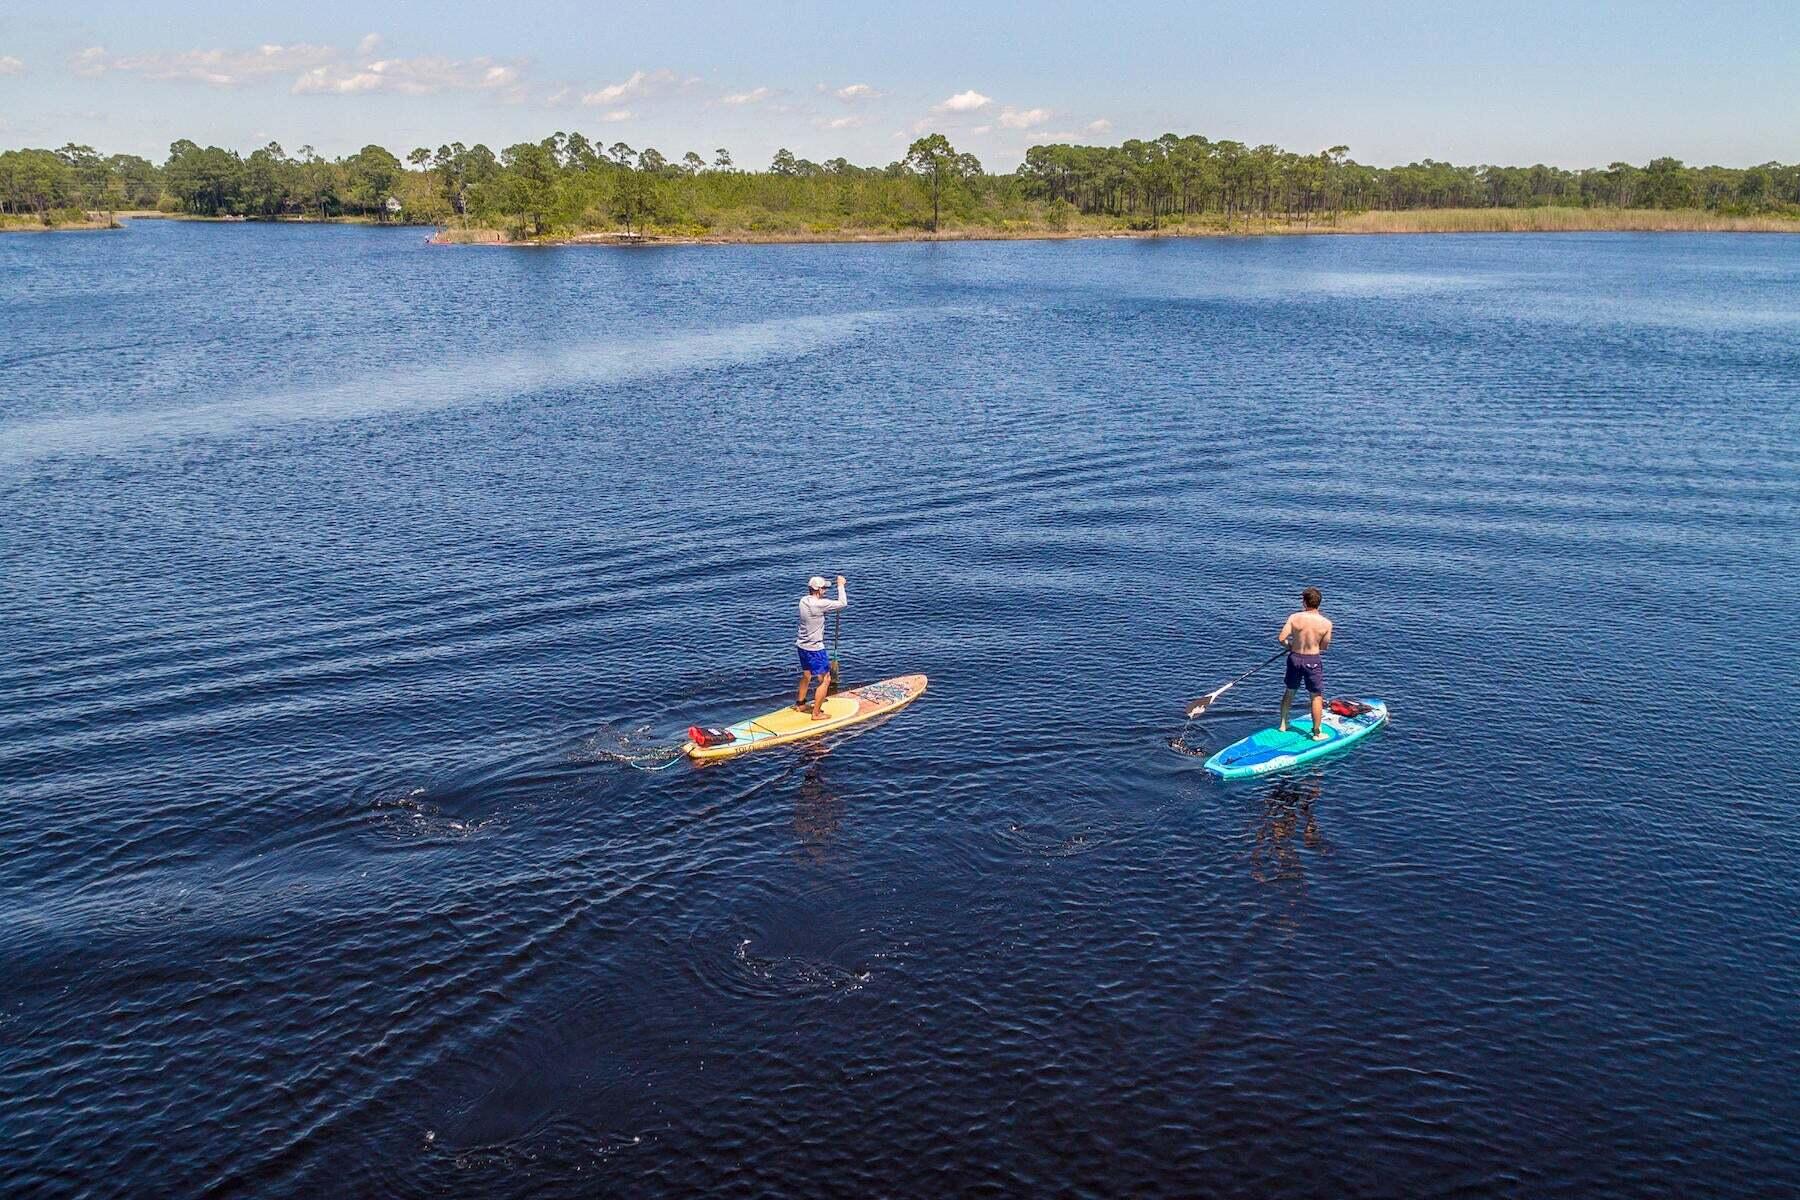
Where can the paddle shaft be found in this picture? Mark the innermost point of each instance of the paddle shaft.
(1200, 705)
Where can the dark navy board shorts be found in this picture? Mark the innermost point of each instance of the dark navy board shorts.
(816, 661)
(1308, 669)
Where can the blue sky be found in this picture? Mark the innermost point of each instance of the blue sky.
(1572, 83)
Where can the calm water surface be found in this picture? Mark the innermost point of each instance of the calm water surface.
(340, 572)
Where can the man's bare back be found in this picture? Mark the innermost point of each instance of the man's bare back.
(1307, 632)
(1307, 635)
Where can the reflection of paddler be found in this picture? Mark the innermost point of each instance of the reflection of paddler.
(1287, 810)
(810, 642)
(817, 810)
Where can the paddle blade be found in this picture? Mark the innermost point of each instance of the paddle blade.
(1205, 702)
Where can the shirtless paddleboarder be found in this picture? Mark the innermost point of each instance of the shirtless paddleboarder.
(811, 641)
(1307, 635)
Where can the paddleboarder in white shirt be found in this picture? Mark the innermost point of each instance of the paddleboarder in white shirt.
(811, 641)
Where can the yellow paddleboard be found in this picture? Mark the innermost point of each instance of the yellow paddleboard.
(790, 724)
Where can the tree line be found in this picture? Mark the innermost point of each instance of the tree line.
(1192, 175)
(567, 182)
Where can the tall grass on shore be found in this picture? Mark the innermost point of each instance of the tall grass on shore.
(61, 219)
(1563, 220)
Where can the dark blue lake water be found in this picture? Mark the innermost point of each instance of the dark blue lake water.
(339, 573)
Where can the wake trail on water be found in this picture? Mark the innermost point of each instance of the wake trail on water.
(444, 383)
(639, 748)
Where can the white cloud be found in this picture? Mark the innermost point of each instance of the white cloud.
(315, 69)
(1071, 135)
(220, 68)
(335, 81)
(638, 83)
(10, 65)
(1023, 118)
(856, 91)
(616, 115)
(839, 122)
(612, 91)
(963, 102)
(422, 76)
(982, 129)
(753, 96)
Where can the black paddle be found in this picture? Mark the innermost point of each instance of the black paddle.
(837, 635)
(837, 632)
(1199, 706)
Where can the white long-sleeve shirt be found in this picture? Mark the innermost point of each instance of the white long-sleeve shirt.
(812, 617)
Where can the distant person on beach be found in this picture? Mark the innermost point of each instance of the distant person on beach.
(1307, 635)
(811, 641)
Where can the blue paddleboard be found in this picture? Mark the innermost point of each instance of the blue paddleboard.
(1267, 750)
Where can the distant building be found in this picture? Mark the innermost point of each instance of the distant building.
(393, 205)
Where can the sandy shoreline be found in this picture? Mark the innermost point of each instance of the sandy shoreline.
(1419, 222)
(492, 237)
